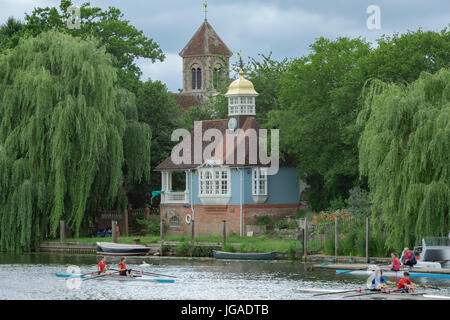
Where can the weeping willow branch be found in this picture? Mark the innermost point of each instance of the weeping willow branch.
(62, 127)
(405, 153)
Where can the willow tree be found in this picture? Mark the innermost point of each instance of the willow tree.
(405, 152)
(62, 128)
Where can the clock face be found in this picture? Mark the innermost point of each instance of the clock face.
(232, 124)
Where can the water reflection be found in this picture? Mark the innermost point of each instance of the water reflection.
(32, 276)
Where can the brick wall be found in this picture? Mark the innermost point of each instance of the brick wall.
(208, 219)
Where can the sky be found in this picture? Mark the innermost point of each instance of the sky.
(284, 28)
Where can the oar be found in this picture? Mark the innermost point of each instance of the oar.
(372, 292)
(151, 273)
(102, 275)
(350, 271)
(337, 292)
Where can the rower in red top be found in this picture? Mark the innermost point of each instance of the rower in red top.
(395, 262)
(405, 284)
(101, 266)
(123, 271)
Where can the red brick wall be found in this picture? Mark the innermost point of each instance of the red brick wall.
(208, 219)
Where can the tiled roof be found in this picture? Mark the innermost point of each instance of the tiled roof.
(206, 42)
(185, 101)
(222, 126)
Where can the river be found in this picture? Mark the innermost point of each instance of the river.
(32, 276)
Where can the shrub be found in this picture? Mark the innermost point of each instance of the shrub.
(150, 226)
(337, 204)
(358, 201)
(263, 220)
(281, 224)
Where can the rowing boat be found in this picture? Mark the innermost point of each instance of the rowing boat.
(244, 255)
(333, 293)
(120, 249)
(398, 274)
(115, 277)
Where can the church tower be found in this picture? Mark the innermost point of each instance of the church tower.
(205, 61)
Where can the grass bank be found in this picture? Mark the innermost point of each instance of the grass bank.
(234, 243)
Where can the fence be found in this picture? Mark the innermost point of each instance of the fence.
(126, 220)
(338, 235)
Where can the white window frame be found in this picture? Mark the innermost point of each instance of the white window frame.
(215, 190)
(259, 182)
(214, 182)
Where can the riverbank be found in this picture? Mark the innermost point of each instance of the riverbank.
(180, 246)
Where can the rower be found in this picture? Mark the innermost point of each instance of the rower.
(123, 271)
(101, 266)
(405, 285)
(378, 282)
(395, 262)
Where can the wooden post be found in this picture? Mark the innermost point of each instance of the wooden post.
(61, 231)
(192, 231)
(114, 231)
(127, 212)
(367, 239)
(161, 230)
(305, 239)
(224, 233)
(336, 237)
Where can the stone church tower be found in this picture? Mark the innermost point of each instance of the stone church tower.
(205, 61)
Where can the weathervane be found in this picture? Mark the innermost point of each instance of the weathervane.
(205, 4)
(241, 64)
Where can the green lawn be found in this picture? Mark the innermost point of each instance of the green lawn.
(247, 244)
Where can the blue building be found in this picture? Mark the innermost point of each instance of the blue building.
(231, 186)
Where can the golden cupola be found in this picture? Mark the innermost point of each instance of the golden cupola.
(241, 96)
(241, 86)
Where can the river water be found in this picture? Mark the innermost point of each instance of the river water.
(32, 276)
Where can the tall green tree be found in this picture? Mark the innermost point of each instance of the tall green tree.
(318, 101)
(120, 38)
(402, 57)
(9, 33)
(62, 127)
(158, 109)
(404, 151)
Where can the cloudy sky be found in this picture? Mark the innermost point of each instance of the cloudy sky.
(284, 27)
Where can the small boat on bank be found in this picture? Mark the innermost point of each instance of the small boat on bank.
(119, 249)
(115, 277)
(244, 256)
(397, 274)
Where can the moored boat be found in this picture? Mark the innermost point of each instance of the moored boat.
(119, 249)
(244, 256)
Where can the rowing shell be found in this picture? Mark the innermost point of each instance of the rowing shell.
(398, 274)
(115, 277)
(370, 295)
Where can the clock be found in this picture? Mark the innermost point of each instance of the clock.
(232, 124)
